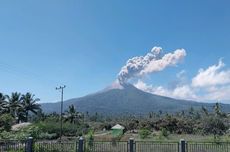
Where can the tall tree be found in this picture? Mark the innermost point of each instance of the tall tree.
(14, 103)
(3, 103)
(204, 111)
(30, 104)
(191, 113)
(217, 109)
(73, 115)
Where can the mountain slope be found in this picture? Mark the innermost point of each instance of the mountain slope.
(125, 98)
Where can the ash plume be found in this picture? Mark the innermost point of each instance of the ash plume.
(153, 61)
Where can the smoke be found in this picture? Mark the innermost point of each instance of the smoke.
(153, 61)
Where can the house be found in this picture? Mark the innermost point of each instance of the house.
(117, 130)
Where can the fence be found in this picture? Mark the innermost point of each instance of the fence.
(107, 147)
(113, 146)
(55, 147)
(208, 147)
(152, 146)
(12, 146)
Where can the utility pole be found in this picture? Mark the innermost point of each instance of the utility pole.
(61, 88)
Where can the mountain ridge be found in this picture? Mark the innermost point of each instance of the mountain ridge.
(126, 98)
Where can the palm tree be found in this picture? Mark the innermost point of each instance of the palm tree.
(217, 109)
(29, 104)
(14, 103)
(72, 115)
(204, 110)
(3, 103)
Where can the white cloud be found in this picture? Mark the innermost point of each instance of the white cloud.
(212, 76)
(160, 90)
(184, 92)
(143, 86)
(220, 93)
(150, 89)
(180, 92)
(211, 84)
(181, 74)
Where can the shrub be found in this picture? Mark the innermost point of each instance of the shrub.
(90, 140)
(144, 133)
(69, 129)
(6, 120)
(164, 132)
(215, 126)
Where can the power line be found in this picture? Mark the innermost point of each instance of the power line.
(61, 88)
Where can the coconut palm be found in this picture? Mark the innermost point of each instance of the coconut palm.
(29, 104)
(3, 103)
(217, 109)
(14, 103)
(72, 115)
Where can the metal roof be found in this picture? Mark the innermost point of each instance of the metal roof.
(117, 126)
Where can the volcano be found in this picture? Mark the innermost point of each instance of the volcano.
(127, 99)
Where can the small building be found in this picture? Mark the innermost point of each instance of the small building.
(117, 130)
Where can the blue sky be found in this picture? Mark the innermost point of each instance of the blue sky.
(83, 44)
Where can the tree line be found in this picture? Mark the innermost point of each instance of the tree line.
(191, 121)
(19, 105)
(16, 108)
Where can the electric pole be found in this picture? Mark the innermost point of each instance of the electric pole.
(61, 88)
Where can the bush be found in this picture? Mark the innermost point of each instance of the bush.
(164, 132)
(6, 135)
(22, 134)
(215, 126)
(6, 120)
(90, 139)
(69, 129)
(144, 133)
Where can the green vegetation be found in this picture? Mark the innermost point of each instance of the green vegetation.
(191, 124)
(144, 133)
(164, 133)
(6, 120)
(19, 106)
